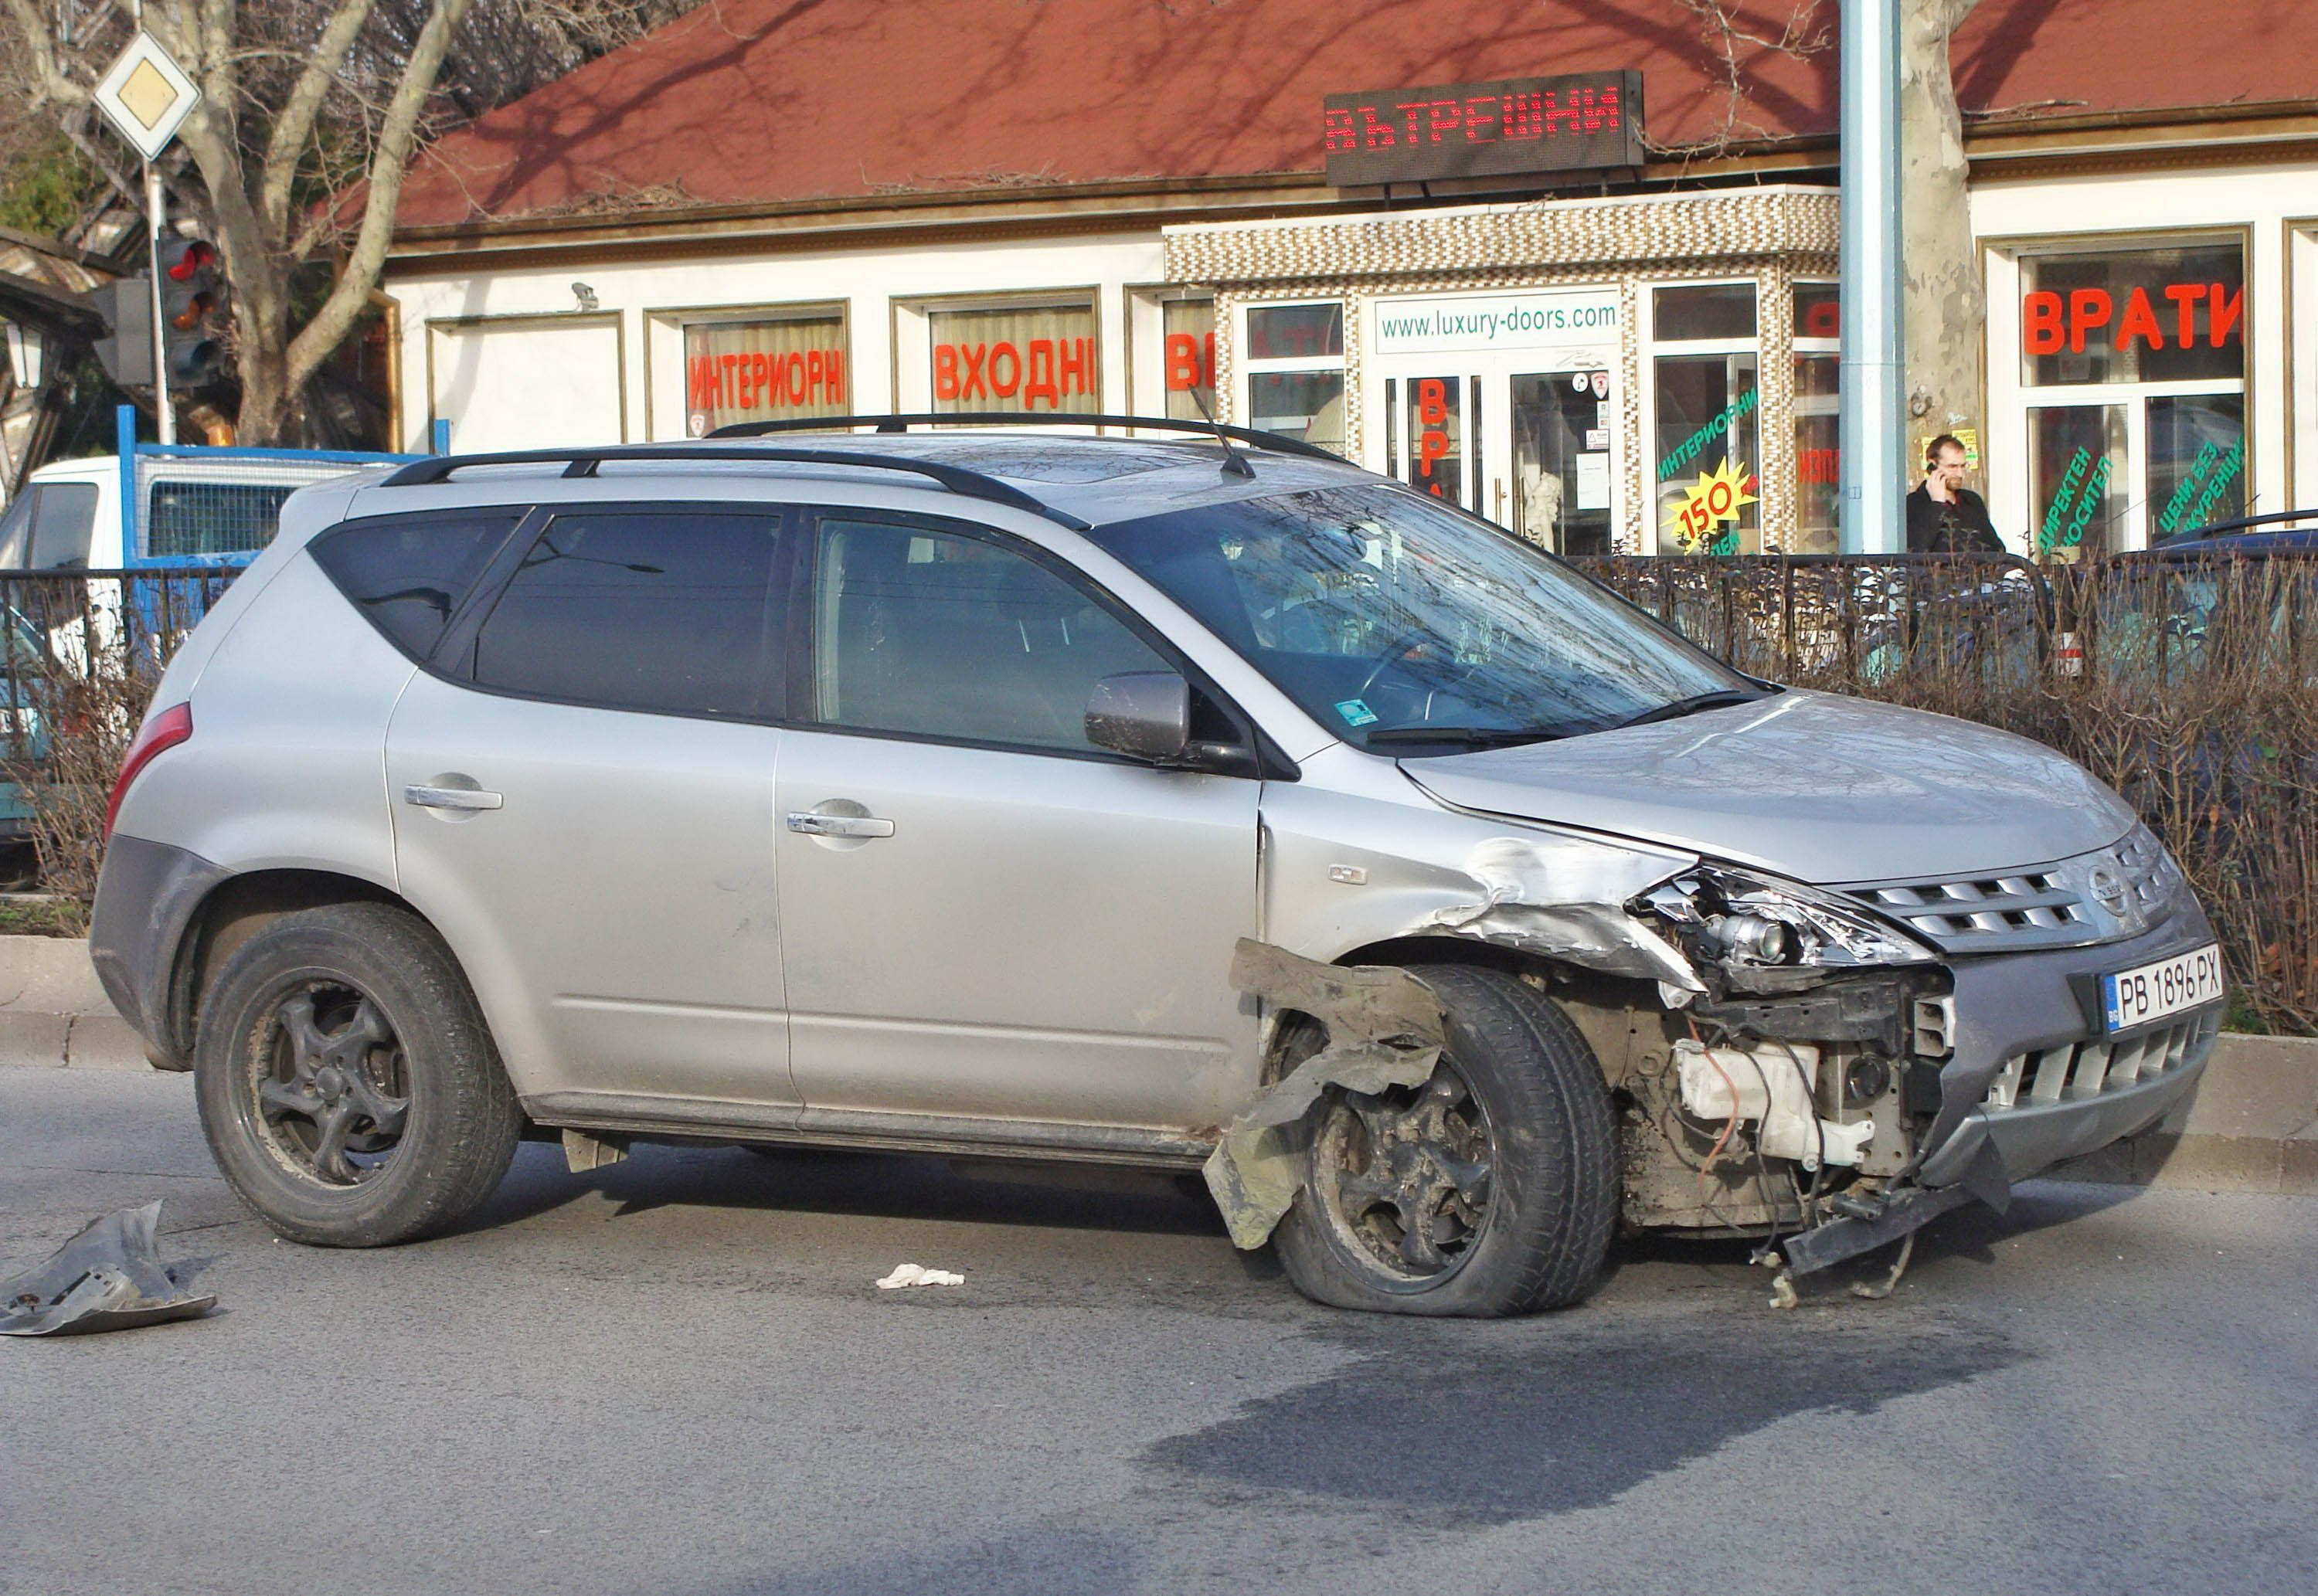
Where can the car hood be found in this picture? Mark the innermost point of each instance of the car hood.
(1816, 787)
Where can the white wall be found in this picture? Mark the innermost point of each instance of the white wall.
(507, 396)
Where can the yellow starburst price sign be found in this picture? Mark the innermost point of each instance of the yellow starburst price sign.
(1713, 501)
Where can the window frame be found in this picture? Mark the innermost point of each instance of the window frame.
(801, 628)
(452, 659)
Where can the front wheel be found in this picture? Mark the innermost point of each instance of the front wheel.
(348, 1084)
(1491, 1189)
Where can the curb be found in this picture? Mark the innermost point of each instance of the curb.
(54, 1013)
(2252, 1126)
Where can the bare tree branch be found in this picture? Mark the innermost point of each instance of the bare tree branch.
(294, 126)
(397, 137)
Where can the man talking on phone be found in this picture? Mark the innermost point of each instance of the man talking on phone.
(1943, 516)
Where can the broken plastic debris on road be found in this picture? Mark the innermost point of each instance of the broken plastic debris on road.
(108, 1277)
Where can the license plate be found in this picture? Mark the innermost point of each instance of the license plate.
(2146, 992)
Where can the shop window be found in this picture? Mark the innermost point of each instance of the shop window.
(1296, 371)
(1818, 421)
(1188, 357)
(1296, 332)
(2078, 480)
(1015, 358)
(764, 369)
(2197, 462)
(2133, 370)
(2135, 316)
(1703, 311)
(1706, 444)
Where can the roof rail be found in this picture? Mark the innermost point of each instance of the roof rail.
(582, 463)
(1272, 441)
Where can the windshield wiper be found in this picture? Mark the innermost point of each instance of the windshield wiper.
(1720, 698)
(1471, 737)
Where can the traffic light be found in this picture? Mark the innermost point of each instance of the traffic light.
(192, 312)
(126, 351)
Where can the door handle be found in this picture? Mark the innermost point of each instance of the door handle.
(838, 825)
(426, 797)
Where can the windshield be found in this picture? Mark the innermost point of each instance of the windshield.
(1407, 629)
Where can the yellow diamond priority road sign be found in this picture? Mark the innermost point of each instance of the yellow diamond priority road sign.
(146, 95)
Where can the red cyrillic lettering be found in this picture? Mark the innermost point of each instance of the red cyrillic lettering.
(794, 379)
(833, 367)
(1374, 133)
(1013, 381)
(1443, 117)
(2088, 309)
(1481, 111)
(1182, 363)
(945, 371)
(2040, 322)
(2222, 315)
(1039, 378)
(1431, 445)
(732, 382)
(813, 376)
(2185, 296)
(1525, 116)
(970, 383)
(1338, 134)
(1078, 366)
(1432, 401)
(2139, 321)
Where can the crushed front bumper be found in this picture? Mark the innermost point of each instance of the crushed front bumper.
(2034, 1080)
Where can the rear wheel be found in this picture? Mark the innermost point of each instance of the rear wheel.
(1490, 1189)
(348, 1084)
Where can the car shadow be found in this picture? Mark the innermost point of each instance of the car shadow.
(859, 1184)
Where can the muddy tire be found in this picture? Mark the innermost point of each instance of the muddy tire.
(348, 1084)
(1492, 1189)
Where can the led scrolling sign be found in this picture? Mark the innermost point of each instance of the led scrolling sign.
(1587, 121)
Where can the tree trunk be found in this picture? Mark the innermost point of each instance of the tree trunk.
(1944, 315)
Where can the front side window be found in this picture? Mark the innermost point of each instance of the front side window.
(936, 634)
(661, 611)
(1408, 629)
(50, 526)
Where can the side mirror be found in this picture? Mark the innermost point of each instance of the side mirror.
(1144, 714)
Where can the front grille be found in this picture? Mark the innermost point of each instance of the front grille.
(1983, 906)
(2096, 897)
(2076, 1070)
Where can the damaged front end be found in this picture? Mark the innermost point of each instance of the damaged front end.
(1791, 1098)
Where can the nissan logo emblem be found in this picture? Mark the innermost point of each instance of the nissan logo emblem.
(2109, 889)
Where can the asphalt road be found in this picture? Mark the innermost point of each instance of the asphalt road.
(675, 1376)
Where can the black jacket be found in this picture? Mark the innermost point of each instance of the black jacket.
(1959, 528)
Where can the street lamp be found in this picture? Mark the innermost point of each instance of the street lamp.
(28, 351)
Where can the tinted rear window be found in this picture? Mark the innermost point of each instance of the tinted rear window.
(409, 575)
(663, 611)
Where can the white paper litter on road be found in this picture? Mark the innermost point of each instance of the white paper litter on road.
(910, 1274)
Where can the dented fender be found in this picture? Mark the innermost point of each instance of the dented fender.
(1343, 870)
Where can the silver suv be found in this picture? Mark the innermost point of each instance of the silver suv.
(1181, 802)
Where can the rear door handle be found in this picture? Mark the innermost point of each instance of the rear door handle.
(451, 798)
(838, 825)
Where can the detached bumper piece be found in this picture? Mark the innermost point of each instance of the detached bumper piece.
(110, 1277)
(1839, 1239)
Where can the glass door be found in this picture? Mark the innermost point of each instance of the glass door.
(1558, 463)
(1430, 435)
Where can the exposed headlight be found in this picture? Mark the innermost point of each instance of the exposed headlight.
(1736, 917)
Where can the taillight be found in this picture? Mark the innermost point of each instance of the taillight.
(166, 730)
